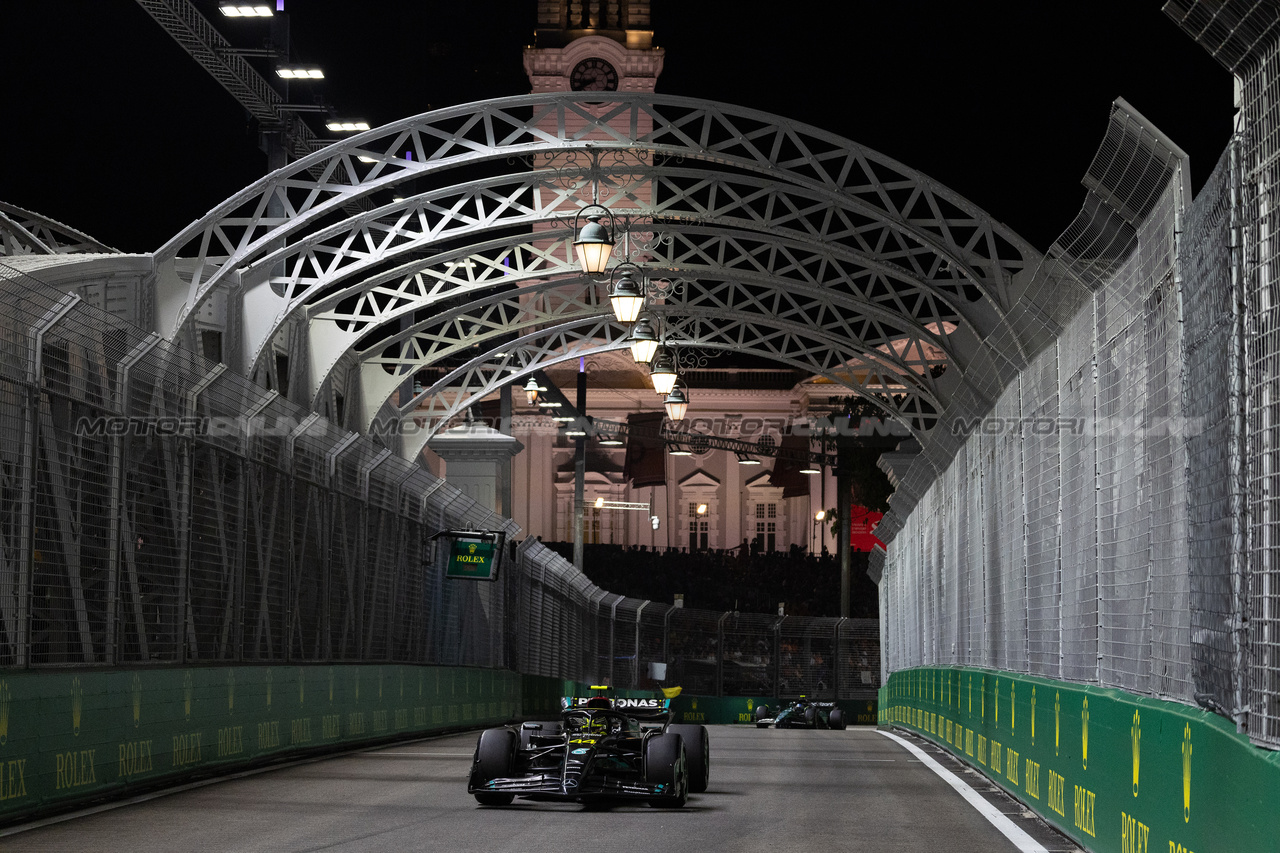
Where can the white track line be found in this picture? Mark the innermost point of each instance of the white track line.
(1008, 828)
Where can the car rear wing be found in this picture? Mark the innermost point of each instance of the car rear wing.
(645, 710)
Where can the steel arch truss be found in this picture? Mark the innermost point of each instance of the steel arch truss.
(857, 345)
(425, 412)
(792, 243)
(363, 249)
(25, 233)
(751, 299)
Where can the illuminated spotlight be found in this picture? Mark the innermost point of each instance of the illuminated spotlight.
(245, 10)
(702, 509)
(680, 450)
(744, 459)
(599, 504)
(611, 441)
(563, 419)
(347, 126)
(300, 73)
(810, 468)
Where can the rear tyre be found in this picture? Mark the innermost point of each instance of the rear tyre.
(697, 751)
(495, 759)
(664, 764)
(836, 719)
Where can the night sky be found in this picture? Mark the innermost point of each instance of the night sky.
(113, 129)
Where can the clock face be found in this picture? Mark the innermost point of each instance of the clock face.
(593, 75)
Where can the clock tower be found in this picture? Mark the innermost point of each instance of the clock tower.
(593, 46)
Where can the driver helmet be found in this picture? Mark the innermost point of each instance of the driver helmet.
(599, 702)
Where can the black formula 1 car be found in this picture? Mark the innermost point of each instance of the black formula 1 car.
(801, 714)
(600, 750)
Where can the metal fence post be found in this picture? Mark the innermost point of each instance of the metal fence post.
(117, 508)
(613, 627)
(290, 443)
(366, 473)
(777, 656)
(1238, 459)
(184, 553)
(331, 500)
(635, 662)
(30, 447)
(720, 653)
(666, 634)
(244, 461)
(836, 657)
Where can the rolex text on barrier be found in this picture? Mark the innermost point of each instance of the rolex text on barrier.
(1116, 772)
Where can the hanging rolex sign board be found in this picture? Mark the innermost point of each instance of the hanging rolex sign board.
(474, 554)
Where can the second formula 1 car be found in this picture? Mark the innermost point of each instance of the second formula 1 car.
(801, 714)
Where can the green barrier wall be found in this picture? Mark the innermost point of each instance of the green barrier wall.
(68, 738)
(1115, 771)
(73, 737)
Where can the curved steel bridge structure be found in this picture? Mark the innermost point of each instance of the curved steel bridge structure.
(439, 247)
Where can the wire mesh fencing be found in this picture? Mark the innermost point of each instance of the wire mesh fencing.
(569, 628)
(1257, 585)
(160, 509)
(1104, 539)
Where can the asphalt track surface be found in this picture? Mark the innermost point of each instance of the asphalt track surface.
(771, 790)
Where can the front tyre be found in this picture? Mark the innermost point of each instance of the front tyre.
(495, 759)
(697, 750)
(836, 719)
(664, 764)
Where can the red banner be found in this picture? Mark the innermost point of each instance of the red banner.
(862, 525)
